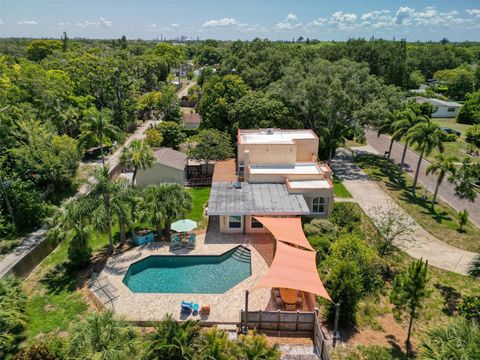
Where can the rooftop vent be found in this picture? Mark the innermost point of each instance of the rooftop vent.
(270, 131)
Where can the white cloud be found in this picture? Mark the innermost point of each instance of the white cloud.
(1, 22)
(220, 22)
(27, 22)
(473, 12)
(102, 22)
(175, 25)
(403, 14)
(374, 14)
(63, 23)
(290, 23)
(151, 28)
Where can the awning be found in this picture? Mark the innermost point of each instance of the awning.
(294, 268)
(288, 230)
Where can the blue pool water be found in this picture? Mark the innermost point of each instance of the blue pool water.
(189, 274)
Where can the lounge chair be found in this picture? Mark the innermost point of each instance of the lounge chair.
(186, 306)
(192, 241)
(205, 310)
(175, 242)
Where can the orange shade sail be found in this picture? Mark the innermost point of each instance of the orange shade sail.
(288, 230)
(294, 268)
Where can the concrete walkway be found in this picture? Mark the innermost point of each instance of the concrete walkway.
(370, 196)
(446, 191)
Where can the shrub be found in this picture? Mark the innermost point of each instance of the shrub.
(347, 216)
(79, 251)
(153, 137)
(321, 245)
(473, 135)
(449, 137)
(470, 111)
(50, 349)
(470, 308)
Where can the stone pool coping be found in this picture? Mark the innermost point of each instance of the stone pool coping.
(225, 308)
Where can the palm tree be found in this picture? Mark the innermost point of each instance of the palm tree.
(460, 339)
(173, 340)
(427, 136)
(441, 166)
(401, 127)
(97, 126)
(101, 336)
(215, 345)
(255, 347)
(388, 128)
(103, 196)
(138, 155)
(164, 203)
(121, 207)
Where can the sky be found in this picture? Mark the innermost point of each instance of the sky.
(456, 20)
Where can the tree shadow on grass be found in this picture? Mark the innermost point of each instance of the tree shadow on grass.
(425, 204)
(59, 279)
(451, 298)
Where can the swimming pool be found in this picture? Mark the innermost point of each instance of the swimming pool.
(189, 274)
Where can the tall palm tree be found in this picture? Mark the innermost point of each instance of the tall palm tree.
(138, 155)
(97, 126)
(164, 203)
(427, 136)
(101, 200)
(102, 336)
(172, 340)
(402, 126)
(121, 207)
(388, 128)
(441, 167)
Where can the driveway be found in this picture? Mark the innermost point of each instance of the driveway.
(446, 191)
(370, 196)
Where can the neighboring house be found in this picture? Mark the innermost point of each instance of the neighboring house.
(191, 120)
(281, 177)
(169, 167)
(443, 109)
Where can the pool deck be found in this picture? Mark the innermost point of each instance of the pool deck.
(225, 308)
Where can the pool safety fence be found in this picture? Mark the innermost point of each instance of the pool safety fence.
(103, 291)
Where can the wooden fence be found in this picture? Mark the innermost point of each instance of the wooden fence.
(287, 323)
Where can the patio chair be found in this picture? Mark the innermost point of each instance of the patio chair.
(278, 301)
(290, 307)
(205, 310)
(192, 241)
(186, 306)
(175, 242)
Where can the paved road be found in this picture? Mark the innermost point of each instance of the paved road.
(446, 191)
(369, 196)
(184, 91)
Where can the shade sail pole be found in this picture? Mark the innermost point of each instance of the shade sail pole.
(335, 334)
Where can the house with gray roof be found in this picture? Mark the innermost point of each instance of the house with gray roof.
(443, 109)
(169, 167)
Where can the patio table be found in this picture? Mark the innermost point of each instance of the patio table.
(289, 296)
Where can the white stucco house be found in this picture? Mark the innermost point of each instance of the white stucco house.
(443, 109)
(169, 167)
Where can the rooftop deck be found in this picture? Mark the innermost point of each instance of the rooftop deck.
(274, 136)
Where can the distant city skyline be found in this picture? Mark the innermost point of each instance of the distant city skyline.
(235, 19)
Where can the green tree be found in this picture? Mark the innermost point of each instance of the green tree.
(173, 134)
(172, 340)
(408, 291)
(416, 79)
(172, 54)
(214, 344)
(205, 74)
(472, 135)
(39, 49)
(427, 136)
(137, 155)
(441, 167)
(465, 179)
(101, 336)
(210, 145)
(459, 339)
(470, 111)
(97, 127)
(153, 137)
(13, 303)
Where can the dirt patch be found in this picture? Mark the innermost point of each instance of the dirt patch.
(272, 340)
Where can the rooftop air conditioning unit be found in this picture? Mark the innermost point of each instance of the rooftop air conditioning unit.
(270, 131)
(237, 185)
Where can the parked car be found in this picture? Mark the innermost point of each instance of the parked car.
(451, 131)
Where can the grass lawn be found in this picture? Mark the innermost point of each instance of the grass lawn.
(200, 197)
(441, 222)
(339, 190)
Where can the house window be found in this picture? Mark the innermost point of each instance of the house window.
(235, 222)
(451, 109)
(318, 205)
(255, 224)
(436, 109)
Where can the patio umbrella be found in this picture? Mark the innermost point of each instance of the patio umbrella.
(184, 225)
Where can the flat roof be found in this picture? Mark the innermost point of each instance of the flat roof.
(274, 136)
(310, 184)
(225, 171)
(285, 169)
(437, 102)
(254, 199)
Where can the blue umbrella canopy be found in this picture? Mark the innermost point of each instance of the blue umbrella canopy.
(184, 225)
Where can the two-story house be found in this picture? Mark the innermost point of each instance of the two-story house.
(276, 173)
